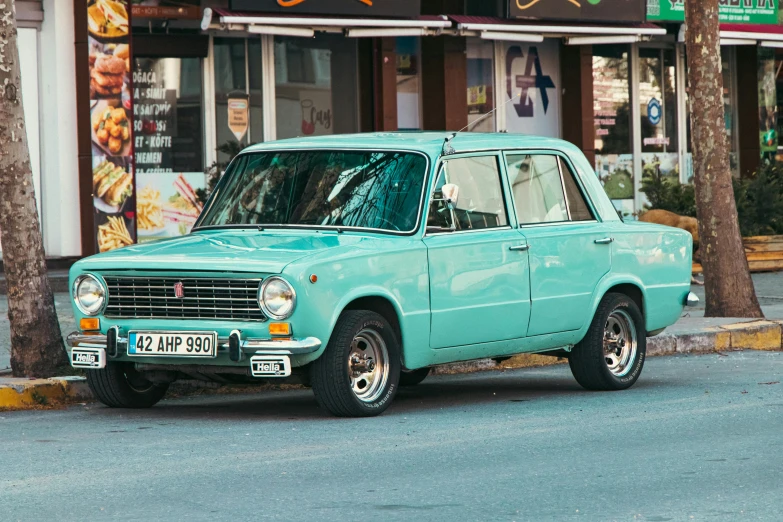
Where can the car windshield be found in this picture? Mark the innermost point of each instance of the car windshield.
(364, 189)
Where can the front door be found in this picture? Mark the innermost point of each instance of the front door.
(569, 250)
(478, 265)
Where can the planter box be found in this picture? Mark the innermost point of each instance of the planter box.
(764, 253)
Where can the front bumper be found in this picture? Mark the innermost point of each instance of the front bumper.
(248, 346)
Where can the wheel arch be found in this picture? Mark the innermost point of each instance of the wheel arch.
(380, 305)
(626, 285)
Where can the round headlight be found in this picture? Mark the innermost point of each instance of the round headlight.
(89, 294)
(277, 298)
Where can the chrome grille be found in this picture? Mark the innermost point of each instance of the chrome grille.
(203, 298)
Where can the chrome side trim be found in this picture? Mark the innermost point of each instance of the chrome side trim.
(249, 346)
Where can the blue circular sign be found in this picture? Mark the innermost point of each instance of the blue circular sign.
(654, 111)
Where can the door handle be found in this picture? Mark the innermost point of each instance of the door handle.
(520, 248)
(604, 241)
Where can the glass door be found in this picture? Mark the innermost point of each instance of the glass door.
(658, 125)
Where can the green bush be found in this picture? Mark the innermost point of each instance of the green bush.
(760, 201)
(665, 195)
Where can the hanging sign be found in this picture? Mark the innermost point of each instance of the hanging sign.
(745, 11)
(396, 8)
(168, 9)
(599, 10)
(238, 115)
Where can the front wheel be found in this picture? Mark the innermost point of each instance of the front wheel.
(358, 373)
(612, 353)
(119, 385)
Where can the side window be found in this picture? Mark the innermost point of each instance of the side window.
(474, 190)
(537, 188)
(580, 211)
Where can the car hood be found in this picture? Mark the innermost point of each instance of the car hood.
(221, 250)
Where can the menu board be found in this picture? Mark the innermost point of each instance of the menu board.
(111, 110)
(154, 123)
(169, 200)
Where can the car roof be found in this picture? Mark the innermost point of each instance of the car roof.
(430, 142)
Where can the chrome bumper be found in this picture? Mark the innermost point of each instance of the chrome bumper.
(248, 346)
(691, 299)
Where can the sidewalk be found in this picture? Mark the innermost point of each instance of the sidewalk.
(693, 333)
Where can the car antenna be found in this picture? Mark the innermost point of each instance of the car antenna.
(448, 149)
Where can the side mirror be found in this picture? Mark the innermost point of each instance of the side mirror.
(450, 193)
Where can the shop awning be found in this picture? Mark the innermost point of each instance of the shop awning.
(746, 34)
(306, 26)
(491, 28)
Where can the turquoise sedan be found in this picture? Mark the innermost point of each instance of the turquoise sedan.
(356, 263)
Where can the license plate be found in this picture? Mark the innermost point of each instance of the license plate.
(90, 358)
(176, 344)
(270, 366)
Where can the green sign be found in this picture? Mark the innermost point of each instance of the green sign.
(730, 11)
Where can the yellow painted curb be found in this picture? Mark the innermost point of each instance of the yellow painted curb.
(24, 394)
(530, 360)
(756, 335)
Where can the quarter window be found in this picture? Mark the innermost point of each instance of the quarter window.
(576, 201)
(475, 192)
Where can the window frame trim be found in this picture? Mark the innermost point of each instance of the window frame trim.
(503, 178)
(562, 156)
(420, 218)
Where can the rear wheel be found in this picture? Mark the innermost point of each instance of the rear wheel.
(119, 385)
(612, 353)
(413, 377)
(358, 373)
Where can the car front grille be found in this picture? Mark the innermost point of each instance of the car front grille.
(202, 298)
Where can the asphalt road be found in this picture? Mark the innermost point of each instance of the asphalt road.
(698, 438)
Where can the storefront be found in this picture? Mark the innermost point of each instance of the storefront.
(195, 81)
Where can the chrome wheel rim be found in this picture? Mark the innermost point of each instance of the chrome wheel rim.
(619, 343)
(368, 365)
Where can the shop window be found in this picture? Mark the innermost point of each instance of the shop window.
(238, 76)
(612, 123)
(306, 101)
(531, 88)
(768, 104)
(481, 97)
(408, 83)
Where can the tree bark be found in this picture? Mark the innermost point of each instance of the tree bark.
(36, 342)
(727, 283)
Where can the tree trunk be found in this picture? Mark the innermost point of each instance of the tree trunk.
(727, 283)
(36, 342)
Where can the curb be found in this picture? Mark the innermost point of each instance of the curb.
(27, 394)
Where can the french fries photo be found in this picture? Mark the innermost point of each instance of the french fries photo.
(113, 234)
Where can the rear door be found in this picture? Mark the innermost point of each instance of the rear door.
(569, 250)
(478, 265)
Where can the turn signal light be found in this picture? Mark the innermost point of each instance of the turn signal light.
(89, 323)
(279, 328)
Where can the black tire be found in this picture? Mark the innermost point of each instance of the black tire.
(330, 373)
(413, 377)
(589, 364)
(119, 385)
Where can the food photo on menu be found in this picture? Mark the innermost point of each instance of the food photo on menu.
(113, 231)
(167, 204)
(107, 20)
(109, 70)
(111, 128)
(112, 184)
